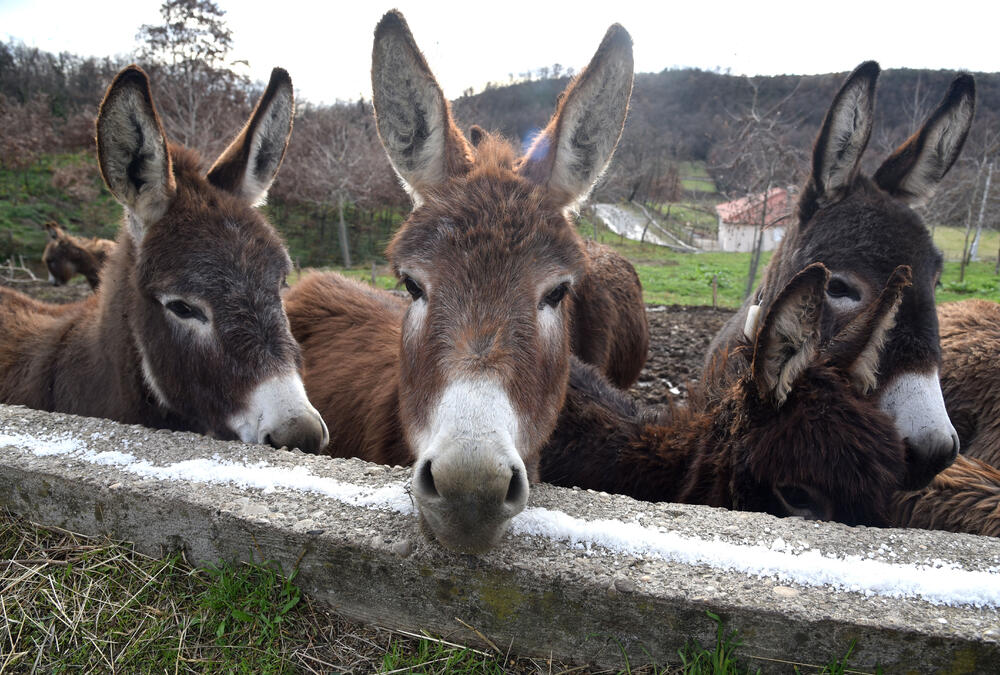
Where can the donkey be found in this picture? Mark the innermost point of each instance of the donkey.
(965, 497)
(608, 324)
(790, 434)
(862, 229)
(970, 377)
(186, 330)
(491, 262)
(65, 256)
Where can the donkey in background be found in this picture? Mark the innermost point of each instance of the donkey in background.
(787, 432)
(466, 381)
(187, 329)
(65, 256)
(862, 229)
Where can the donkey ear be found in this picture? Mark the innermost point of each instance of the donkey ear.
(411, 112)
(844, 135)
(787, 341)
(858, 346)
(913, 171)
(572, 152)
(132, 150)
(248, 166)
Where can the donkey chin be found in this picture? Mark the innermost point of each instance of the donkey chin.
(279, 414)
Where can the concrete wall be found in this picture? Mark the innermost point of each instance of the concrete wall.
(579, 574)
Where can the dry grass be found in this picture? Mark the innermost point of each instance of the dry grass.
(75, 603)
(71, 603)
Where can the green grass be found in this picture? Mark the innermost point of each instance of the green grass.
(431, 656)
(951, 241)
(684, 217)
(70, 603)
(670, 278)
(980, 282)
(686, 278)
(694, 177)
(717, 660)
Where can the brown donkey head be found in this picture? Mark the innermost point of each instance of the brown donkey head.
(490, 259)
(203, 270)
(807, 440)
(862, 229)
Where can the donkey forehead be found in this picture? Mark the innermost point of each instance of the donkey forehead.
(870, 237)
(221, 255)
(500, 217)
(495, 246)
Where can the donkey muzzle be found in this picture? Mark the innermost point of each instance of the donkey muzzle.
(279, 414)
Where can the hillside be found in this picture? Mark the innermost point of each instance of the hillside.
(681, 150)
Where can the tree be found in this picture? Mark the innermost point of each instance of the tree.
(760, 158)
(200, 96)
(336, 160)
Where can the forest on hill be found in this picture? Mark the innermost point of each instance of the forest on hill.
(747, 133)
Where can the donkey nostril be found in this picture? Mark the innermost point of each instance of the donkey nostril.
(515, 491)
(425, 481)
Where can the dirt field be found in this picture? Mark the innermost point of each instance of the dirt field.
(678, 340)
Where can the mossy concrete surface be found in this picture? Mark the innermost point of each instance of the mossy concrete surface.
(534, 595)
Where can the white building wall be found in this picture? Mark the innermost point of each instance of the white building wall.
(741, 237)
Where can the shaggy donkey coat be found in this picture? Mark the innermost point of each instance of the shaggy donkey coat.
(970, 374)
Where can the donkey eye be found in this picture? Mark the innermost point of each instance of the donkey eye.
(838, 288)
(413, 288)
(555, 296)
(185, 311)
(796, 497)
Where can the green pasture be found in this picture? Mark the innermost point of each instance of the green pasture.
(694, 177)
(951, 241)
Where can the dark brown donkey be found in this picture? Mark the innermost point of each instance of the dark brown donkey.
(792, 434)
(481, 354)
(65, 256)
(862, 228)
(970, 374)
(187, 329)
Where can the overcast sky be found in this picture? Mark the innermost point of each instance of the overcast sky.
(327, 47)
